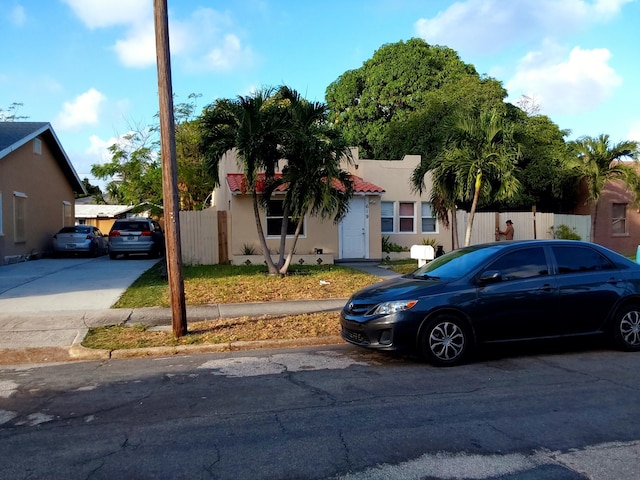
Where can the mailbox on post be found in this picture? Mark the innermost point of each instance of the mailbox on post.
(422, 253)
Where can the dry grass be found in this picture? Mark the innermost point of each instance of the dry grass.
(213, 284)
(234, 284)
(219, 331)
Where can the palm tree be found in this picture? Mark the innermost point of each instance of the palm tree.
(314, 182)
(478, 162)
(597, 161)
(273, 127)
(252, 125)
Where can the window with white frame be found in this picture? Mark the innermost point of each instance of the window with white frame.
(19, 217)
(619, 219)
(275, 215)
(387, 214)
(67, 218)
(428, 218)
(406, 217)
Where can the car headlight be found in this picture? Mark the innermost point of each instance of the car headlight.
(387, 308)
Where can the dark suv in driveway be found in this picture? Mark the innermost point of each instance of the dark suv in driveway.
(136, 235)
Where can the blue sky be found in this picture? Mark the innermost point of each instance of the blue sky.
(88, 66)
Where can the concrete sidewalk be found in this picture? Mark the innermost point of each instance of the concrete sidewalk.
(37, 337)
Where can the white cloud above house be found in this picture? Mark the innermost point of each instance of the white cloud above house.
(483, 27)
(573, 84)
(564, 79)
(208, 40)
(108, 13)
(82, 111)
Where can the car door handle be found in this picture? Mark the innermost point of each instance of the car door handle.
(546, 288)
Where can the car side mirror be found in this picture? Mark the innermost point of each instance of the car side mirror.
(490, 276)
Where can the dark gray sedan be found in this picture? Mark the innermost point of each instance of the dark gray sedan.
(499, 292)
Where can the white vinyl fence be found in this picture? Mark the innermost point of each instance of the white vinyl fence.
(527, 225)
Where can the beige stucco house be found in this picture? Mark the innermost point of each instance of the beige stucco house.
(37, 186)
(383, 205)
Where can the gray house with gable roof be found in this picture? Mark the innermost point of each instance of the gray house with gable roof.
(37, 189)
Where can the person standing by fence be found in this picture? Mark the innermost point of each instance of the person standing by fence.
(508, 232)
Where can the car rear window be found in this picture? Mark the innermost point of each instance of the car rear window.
(132, 226)
(76, 229)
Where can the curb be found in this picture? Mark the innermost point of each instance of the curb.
(78, 352)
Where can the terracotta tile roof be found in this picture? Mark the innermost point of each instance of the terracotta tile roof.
(237, 183)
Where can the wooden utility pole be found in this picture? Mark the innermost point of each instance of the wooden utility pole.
(169, 171)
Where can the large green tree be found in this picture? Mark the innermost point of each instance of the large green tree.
(279, 128)
(478, 162)
(394, 103)
(598, 161)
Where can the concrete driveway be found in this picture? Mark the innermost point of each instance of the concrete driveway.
(67, 284)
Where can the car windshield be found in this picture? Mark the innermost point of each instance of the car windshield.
(456, 264)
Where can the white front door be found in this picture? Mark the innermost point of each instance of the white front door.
(354, 230)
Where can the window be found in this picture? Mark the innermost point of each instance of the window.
(580, 259)
(429, 223)
(275, 213)
(19, 216)
(386, 209)
(67, 219)
(406, 217)
(525, 263)
(619, 219)
(37, 146)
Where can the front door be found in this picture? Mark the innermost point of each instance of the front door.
(354, 230)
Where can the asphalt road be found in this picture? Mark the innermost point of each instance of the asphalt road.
(326, 413)
(67, 284)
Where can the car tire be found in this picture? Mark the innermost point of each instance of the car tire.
(445, 341)
(626, 328)
(113, 255)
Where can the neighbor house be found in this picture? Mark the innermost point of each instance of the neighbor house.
(37, 189)
(383, 204)
(617, 218)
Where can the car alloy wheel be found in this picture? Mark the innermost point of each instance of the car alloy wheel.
(445, 341)
(627, 328)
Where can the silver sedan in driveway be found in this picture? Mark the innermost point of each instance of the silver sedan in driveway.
(80, 239)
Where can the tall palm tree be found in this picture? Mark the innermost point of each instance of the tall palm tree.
(252, 125)
(478, 162)
(274, 127)
(314, 182)
(597, 161)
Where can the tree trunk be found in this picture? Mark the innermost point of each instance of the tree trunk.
(285, 267)
(273, 270)
(474, 205)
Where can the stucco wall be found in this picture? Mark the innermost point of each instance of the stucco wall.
(394, 176)
(46, 188)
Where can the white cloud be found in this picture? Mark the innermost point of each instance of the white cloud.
(229, 55)
(487, 26)
(82, 111)
(565, 86)
(107, 13)
(18, 16)
(138, 50)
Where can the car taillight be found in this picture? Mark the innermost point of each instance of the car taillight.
(146, 234)
(89, 237)
(114, 233)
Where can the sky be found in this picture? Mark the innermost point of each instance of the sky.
(89, 68)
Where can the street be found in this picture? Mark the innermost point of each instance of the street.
(325, 412)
